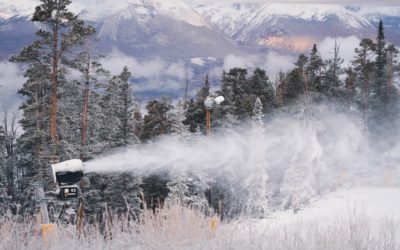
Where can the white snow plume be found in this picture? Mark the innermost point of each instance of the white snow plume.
(295, 156)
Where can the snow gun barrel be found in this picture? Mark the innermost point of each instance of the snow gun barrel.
(68, 172)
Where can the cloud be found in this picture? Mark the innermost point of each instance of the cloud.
(277, 62)
(395, 2)
(232, 61)
(155, 74)
(11, 79)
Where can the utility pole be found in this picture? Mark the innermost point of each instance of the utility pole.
(186, 89)
(209, 103)
(208, 121)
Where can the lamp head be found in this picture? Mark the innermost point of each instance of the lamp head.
(208, 103)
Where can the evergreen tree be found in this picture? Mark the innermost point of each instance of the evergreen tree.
(379, 94)
(62, 31)
(3, 179)
(295, 84)
(187, 189)
(258, 111)
(195, 113)
(314, 71)
(261, 87)
(177, 118)
(137, 122)
(331, 78)
(117, 113)
(280, 84)
(87, 63)
(9, 156)
(156, 121)
(46, 59)
(364, 68)
(350, 86)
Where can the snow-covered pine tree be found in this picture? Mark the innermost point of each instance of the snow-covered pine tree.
(364, 68)
(187, 189)
(256, 181)
(261, 87)
(118, 108)
(125, 110)
(350, 86)
(33, 146)
(314, 70)
(3, 179)
(331, 77)
(137, 122)
(177, 118)
(225, 115)
(258, 114)
(10, 157)
(295, 83)
(87, 63)
(156, 120)
(61, 31)
(195, 112)
(379, 95)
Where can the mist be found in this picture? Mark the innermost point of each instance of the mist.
(292, 156)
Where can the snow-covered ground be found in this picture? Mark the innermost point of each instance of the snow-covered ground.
(377, 203)
(355, 218)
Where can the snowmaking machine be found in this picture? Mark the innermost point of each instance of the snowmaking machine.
(67, 175)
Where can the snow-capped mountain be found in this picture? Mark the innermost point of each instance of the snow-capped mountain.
(298, 26)
(164, 28)
(173, 29)
(142, 28)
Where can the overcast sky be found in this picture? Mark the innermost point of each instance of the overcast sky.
(195, 2)
(380, 2)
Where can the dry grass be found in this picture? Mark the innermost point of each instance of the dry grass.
(182, 227)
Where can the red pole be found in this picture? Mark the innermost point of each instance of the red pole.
(208, 120)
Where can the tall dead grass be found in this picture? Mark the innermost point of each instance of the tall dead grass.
(183, 227)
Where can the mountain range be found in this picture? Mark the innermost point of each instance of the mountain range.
(173, 29)
(162, 40)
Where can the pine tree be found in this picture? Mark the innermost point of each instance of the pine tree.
(295, 84)
(364, 68)
(350, 86)
(10, 157)
(379, 94)
(280, 84)
(3, 179)
(393, 67)
(258, 114)
(331, 77)
(314, 71)
(156, 121)
(177, 118)
(195, 113)
(87, 63)
(62, 31)
(261, 87)
(118, 108)
(187, 189)
(46, 59)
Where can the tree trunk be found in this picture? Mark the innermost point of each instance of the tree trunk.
(85, 111)
(54, 86)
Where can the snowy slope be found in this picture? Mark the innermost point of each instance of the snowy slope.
(145, 9)
(375, 202)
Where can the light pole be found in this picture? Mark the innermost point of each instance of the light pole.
(209, 103)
